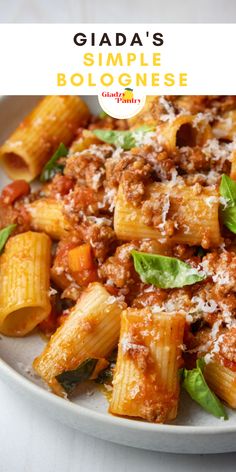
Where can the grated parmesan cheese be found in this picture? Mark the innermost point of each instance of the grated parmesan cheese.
(206, 306)
(165, 211)
(216, 348)
(221, 277)
(169, 109)
(202, 118)
(59, 270)
(127, 345)
(224, 201)
(52, 291)
(211, 200)
(142, 139)
(99, 221)
(218, 151)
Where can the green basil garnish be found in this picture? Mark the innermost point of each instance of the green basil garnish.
(105, 376)
(196, 386)
(201, 252)
(165, 272)
(4, 235)
(125, 139)
(53, 167)
(71, 378)
(102, 115)
(228, 211)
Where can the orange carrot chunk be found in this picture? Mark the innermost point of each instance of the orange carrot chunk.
(80, 258)
(14, 190)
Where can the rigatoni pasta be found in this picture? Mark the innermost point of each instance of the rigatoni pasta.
(24, 283)
(146, 380)
(47, 216)
(83, 142)
(91, 331)
(222, 380)
(128, 244)
(225, 128)
(54, 120)
(184, 216)
(183, 131)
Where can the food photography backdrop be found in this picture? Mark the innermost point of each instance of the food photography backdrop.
(30, 441)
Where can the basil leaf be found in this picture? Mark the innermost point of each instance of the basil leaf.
(201, 252)
(102, 115)
(4, 235)
(196, 386)
(165, 272)
(53, 167)
(105, 376)
(71, 378)
(126, 139)
(228, 211)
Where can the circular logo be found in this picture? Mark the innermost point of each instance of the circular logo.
(123, 103)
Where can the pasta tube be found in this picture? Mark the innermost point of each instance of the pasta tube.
(47, 216)
(24, 283)
(149, 115)
(195, 216)
(91, 331)
(146, 380)
(222, 381)
(184, 131)
(233, 166)
(83, 142)
(54, 120)
(225, 128)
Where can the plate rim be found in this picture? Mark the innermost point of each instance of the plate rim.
(125, 423)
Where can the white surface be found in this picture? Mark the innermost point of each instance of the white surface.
(29, 441)
(123, 11)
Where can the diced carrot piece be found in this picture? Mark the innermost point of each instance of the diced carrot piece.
(59, 279)
(85, 277)
(80, 258)
(14, 190)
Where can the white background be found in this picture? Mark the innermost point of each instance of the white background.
(29, 441)
(123, 11)
(39, 52)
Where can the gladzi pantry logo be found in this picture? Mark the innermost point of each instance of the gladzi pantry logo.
(122, 97)
(124, 104)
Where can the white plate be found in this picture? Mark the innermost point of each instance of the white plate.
(193, 432)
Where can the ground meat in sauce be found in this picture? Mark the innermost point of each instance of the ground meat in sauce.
(222, 268)
(10, 214)
(81, 202)
(191, 160)
(150, 298)
(227, 345)
(101, 238)
(119, 268)
(133, 172)
(87, 167)
(60, 186)
(204, 103)
(153, 215)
